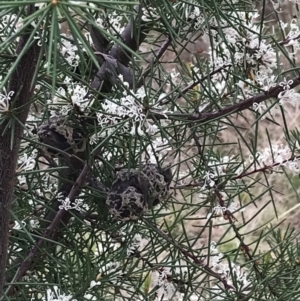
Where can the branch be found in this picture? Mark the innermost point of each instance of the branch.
(243, 246)
(21, 83)
(49, 231)
(154, 60)
(240, 106)
(190, 255)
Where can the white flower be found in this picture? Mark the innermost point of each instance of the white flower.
(66, 204)
(94, 139)
(4, 100)
(294, 32)
(266, 55)
(138, 243)
(289, 96)
(18, 226)
(260, 107)
(77, 204)
(286, 84)
(26, 162)
(94, 283)
(57, 296)
(69, 51)
(78, 96)
(150, 14)
(209, 179)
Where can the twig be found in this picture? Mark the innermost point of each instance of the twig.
(49, 231)
(243, 246)
(190, 255)
(235, 108)
(194, 84)
(154, 60)
(263, 169)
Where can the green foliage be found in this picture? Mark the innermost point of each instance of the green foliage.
(197, 87)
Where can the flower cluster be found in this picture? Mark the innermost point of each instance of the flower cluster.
(115, 25)
(229, 272)
(57, 295)
(64, 100)
(69, 51)
(166, 289)
(127, 107)
(5, 100)
(76, 205)
(277, 156)
(128, 111)
(219, 210)
(138, 244)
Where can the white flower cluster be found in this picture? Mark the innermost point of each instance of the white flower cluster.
(69, 50)
(138, 244)
(166, 289)
(287, 96)
(150, 14)
(76, 95)
(66, 204)
(4, 100)
(10, 22)
(255, 57)
(219, 210)
(57, 295)
(229, 272)
(25, 163)
(115, 26)
(217, 169)
(280, 155)
(198, 16)
(126, 108)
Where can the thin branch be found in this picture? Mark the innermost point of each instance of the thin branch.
(235, 108)
(49, 231)
(264, 169)
(154, 60)
(195, 83)
(190, 255)
(243, 246)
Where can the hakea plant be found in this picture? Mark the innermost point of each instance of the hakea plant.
(118, 179)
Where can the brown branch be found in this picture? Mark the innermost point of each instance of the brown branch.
(154, 60)
(243, 246)
(235, 108)
(190, 255)
(21, 83)
(195, 83)
(264, 169)
(49, 231)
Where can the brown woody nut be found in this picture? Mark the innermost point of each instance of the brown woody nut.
(135, 191)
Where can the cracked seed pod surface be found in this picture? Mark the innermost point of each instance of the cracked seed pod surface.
(59, 133)
(135, 191)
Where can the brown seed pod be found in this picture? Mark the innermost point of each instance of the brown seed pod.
(135, 191)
